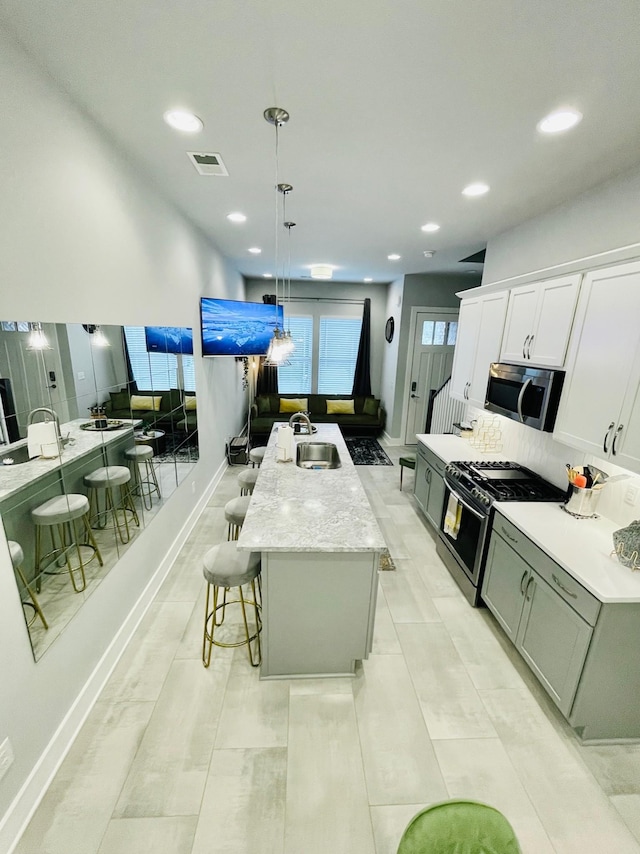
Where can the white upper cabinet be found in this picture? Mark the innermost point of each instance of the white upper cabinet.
(539, 320)
(600, 404)
(480, 327)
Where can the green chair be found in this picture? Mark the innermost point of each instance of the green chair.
(409, 460)
(459, 827)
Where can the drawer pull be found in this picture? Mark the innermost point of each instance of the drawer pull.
(508, 535)
(562, 587)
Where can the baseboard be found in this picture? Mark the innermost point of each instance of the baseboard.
(19, 814)
(391, 440)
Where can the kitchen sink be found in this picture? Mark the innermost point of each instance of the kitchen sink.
(15, 456)
(317, 455)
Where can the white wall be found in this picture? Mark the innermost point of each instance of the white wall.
(601, 226)
(84, 240)
(395, 294)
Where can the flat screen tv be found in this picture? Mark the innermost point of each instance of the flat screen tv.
(232, 328)
(169, 339)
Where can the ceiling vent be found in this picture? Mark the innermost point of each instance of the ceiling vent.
(208, 164)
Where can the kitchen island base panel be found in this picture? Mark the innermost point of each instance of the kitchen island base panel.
(318, 610)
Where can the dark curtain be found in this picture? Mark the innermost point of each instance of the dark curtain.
(132, 386)
(267, 380)
(362, 375)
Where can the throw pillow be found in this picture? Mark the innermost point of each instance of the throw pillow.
(293, 404)
(370, 406)
(146, 401)
(119, 400)
(190, 402)
(264, 405)
(341, 407)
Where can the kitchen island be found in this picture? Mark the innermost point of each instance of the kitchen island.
(320, 546)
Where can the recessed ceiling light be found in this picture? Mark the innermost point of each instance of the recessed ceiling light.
(559, 120)
(429, 253)
(430, 227)
(267, 275)
(321, 271)
(184, 121)
(236, 217)
(255, 250)
(477, 189)
(393, 257)
(367, 280)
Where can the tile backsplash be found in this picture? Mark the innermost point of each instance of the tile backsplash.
(539, 452)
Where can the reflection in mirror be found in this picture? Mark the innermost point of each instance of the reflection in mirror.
(98, 426)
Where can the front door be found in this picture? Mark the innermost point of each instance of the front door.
(431, 361)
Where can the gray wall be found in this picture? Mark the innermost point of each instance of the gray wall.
(597, 228)
(83, 239)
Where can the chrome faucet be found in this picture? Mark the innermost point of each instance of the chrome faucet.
(52, 416)
(301, 416)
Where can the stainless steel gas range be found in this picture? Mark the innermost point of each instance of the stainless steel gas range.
(471, 488)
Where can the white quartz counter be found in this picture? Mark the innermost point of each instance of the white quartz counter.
(304, 510)
(580, 546)
(15, 477)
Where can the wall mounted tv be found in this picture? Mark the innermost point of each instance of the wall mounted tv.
(233, 328)
(169, 339)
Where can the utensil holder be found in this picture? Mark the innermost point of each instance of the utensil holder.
(582, 501)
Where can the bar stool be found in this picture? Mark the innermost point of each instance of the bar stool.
(17, 559)
(145, 486)
(409, 460)
(256, 455)
(104, 480)
(225, 567)
(60, 515)
(247, 481)
(235, 512)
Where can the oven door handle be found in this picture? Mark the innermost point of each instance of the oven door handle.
(525, 384)
(480, 516)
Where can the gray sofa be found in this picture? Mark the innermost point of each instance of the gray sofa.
(367, 420)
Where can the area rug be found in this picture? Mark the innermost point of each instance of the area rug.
(386, 561)
(366, 451)
(178, 450)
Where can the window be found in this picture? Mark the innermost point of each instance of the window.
(296, 377)
(157, 370)
(439, 332)
(337, 353)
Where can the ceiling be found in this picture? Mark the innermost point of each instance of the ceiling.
(395, 107)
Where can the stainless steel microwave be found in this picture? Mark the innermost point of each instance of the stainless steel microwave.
(525, 394)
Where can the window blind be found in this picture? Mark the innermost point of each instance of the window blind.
(150, 370)
(296, 377)
(338, 350)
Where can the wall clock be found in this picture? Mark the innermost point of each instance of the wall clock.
(388, 329)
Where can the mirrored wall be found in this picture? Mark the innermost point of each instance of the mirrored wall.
(76, 399)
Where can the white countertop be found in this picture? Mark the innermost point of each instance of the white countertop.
(15, 477)
(304, 510)
(580, 546)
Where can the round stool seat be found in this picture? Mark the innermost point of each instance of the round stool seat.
(139, 452)
(236, 510)
(17, 555)
(248, 478)
(107, 476)
(256, 455)
(64, 508)
(225, 566)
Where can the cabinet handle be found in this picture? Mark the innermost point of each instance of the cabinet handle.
(526, 591)
(524, 575)
(529, 347)
(606, 436)
(615, 438)
(427, 475)
(508, 535)
(562, 587)
(524, 347)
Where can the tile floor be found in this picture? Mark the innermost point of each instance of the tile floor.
(182, 760)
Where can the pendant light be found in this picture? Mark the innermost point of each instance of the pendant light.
(37, 339)
(288, 344)
(276, 354)
(98, 338)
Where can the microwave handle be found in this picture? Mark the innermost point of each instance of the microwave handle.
(520, 398)
(480, 516)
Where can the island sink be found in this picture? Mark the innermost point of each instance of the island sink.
(15, 456)
(317, 455)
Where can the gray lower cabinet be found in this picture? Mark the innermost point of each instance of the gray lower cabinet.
(583, 651)
(429, 484)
